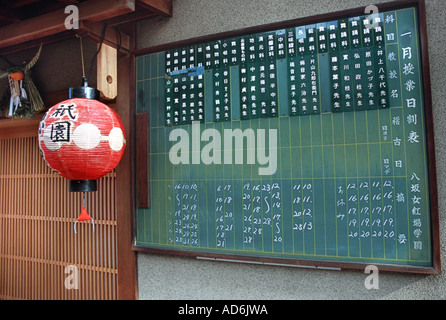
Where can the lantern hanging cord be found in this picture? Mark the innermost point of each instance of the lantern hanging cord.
(104, 28)
(118, 34)
(82, 58)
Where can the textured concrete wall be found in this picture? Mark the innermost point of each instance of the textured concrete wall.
(166, 277)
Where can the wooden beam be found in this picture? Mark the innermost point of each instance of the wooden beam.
(29, 129)
(98, 10)
(54, 22)
(161, 7)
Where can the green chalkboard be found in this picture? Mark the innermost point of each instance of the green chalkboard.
(302, 144)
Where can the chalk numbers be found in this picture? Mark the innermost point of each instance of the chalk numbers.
(224, 217)
(253, 211)
(366, 208)
(183, 215)
(262, 214)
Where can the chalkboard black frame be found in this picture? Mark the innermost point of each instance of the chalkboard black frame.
(141, 142)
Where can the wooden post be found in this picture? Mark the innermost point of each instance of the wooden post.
(127, 280)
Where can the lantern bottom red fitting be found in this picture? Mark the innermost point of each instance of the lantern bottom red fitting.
(82, 186)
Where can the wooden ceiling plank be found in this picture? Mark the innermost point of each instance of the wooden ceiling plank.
(31, 29)
(69, 1)
(20, 3)
(161, 7)
(9, 16)
(54, 22)
(36, 43)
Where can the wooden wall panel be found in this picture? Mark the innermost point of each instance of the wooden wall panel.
(37, 239)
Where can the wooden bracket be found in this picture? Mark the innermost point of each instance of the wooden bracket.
(107, 73)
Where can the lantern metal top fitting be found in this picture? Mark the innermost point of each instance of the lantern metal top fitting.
(84, 91)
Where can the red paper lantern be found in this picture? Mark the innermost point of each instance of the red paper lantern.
(83, 140)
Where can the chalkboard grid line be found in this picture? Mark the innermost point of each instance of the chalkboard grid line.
(381, 164)
(370, 190)
(288, 178)
(291, 166)
(312, 186)
(155, 127)
(286, 147)
(357, 180)
(423, 128)
(301, 170)
(158, 106)
(322, 149)
(323, 184)
(405, 145)
(298, 255)
(394, 185)
(335, 188)
(281, 185)
(401, 90)
(345, 168)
